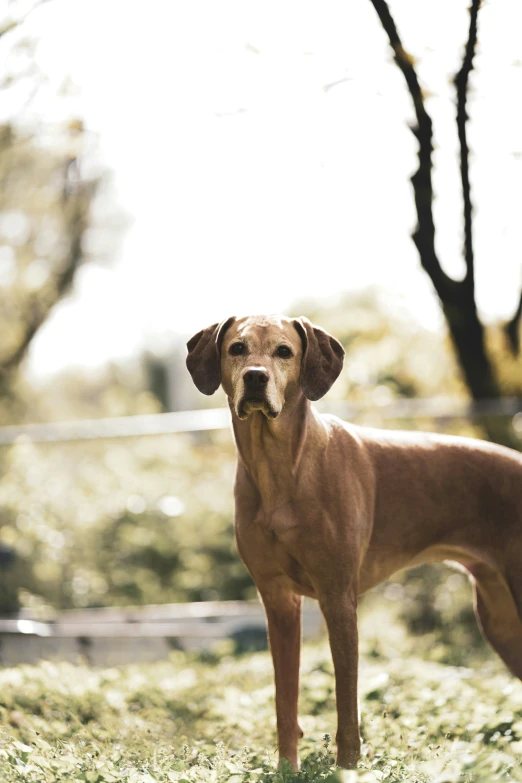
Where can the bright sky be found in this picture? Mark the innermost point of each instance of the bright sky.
(262, 152)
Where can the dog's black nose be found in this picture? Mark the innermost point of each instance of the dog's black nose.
(255, 377)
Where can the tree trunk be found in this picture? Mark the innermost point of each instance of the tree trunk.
(457, 297)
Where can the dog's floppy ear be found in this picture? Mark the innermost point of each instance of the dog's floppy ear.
(204, 356)
(322, 359)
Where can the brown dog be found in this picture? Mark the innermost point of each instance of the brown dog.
(328, 510)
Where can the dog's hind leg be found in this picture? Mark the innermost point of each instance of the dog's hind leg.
(497, 614)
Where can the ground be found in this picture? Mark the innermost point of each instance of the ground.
(211, 718)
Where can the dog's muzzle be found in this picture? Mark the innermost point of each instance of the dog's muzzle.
(255, 398)
(255, 380)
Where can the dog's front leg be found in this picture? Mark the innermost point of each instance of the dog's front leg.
(283, 612)
(340, 612)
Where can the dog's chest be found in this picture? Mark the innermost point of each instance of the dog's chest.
(290, 566)
(277, 536)
(279, 520)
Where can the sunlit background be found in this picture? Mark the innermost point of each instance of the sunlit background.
(256, 154)
(165, 165)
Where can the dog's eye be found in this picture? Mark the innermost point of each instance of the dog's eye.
(284, 352)
(236, 349)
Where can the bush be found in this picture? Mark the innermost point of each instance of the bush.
(134, 522)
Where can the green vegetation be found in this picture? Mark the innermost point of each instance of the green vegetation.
(149, 520)
(124, 522)
(211, 718)
(146, 521)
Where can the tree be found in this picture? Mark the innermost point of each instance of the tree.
(457, 297)
(45, 201)
(44, 209)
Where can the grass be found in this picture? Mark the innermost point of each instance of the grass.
(211, 718)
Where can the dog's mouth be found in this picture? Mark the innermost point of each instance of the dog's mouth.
(252, 403)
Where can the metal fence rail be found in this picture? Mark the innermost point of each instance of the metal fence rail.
(439, 409)
(120, 427)
(114, 635)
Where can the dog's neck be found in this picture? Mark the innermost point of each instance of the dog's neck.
(271, 450)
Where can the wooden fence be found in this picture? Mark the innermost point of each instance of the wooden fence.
(110, 636)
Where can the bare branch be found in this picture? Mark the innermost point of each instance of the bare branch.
(77, 197)
(424, 234)
(12, 24)
(457, 297)
(461, 82)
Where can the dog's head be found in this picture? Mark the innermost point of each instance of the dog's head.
(264, 362)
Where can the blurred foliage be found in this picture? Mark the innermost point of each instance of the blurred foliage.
(116, 389)
(157, 376)
(45, 201)
(128, 522)
(388, 354)
(507, 364)
(56, 207)
(434, 604)
(149, 520)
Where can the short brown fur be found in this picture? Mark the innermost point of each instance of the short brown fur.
(328, 510)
